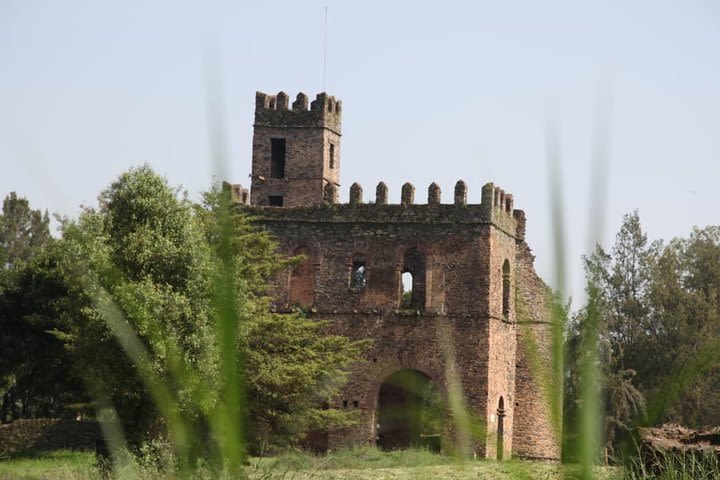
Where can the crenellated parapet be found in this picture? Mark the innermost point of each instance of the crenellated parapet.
(496, 207)
(275, 111)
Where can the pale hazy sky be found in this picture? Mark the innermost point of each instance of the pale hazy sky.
(431, 91)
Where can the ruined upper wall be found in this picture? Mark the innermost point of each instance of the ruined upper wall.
(496, 208)
(274, 111)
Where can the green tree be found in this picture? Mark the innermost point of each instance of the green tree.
(23, 231)
(36, 366)
(686, 321)
(142, 252)
(659, 328)
(189, 282)
(616, 319)
(35, 376)
(293, 366)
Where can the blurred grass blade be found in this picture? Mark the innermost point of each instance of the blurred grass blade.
(558, 319)
(228, 422)
(138, 354)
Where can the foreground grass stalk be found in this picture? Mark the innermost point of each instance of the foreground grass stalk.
(466, 430)
(228, 423)
(135, 349)
(590, 417)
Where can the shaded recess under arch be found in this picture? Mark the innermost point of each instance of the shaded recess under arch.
(410, 412)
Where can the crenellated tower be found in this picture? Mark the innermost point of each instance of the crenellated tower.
(438, 288)
(296, 150)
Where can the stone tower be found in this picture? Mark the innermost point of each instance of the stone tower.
(296, 151)
(474, 317)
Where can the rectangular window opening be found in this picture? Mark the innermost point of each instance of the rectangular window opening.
(358, 276)
(277, 158)
(275, 200)
(332, 155)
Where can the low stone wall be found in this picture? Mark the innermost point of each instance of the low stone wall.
(48, 434)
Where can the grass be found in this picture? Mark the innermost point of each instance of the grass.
(670, 465)
(356, 463)
(60, 465)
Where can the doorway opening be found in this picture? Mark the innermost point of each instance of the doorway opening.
(410, 412)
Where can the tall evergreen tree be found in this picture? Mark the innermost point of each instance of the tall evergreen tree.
(618, 311)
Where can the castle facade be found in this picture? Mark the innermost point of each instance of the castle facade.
(446, 292)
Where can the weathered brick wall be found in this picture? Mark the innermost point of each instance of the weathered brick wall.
(472, 274)
(502, 343)
(451, 239)
(48, 434)
(464, 248)
(308, 135)
(534, 433)
(408, 342)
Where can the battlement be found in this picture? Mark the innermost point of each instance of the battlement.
(275, 111)
(496, 207)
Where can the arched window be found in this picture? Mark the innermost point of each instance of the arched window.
(506, 290)
(358, 273)
(413, 272)
(406, 283)
(302, 280)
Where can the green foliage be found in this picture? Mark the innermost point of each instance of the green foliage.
(406, 299)
(35, 374)
(658, 330)
(174, 328)
(604, 334)
(36, 367)
(293, 367)
(670, 465)
(295, 370)
(142, 252)
(23, 232)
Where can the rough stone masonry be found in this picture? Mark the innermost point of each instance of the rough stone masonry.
(476, 311)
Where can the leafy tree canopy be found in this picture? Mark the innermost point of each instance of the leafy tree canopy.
(189, 282)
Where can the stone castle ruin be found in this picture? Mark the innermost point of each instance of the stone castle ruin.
(446, 292)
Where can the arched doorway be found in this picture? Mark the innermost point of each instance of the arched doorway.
(501, 429)
(410, 412)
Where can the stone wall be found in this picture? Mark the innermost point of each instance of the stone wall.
(417, 342)
(471, 271)
(535, 436)
(48, 434)
(312, 156)
(463, 249)
(501, 381)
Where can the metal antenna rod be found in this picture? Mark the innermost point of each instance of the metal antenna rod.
(325, 51)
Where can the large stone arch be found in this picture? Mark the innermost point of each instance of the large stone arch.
(409, 408)
(386, 367)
